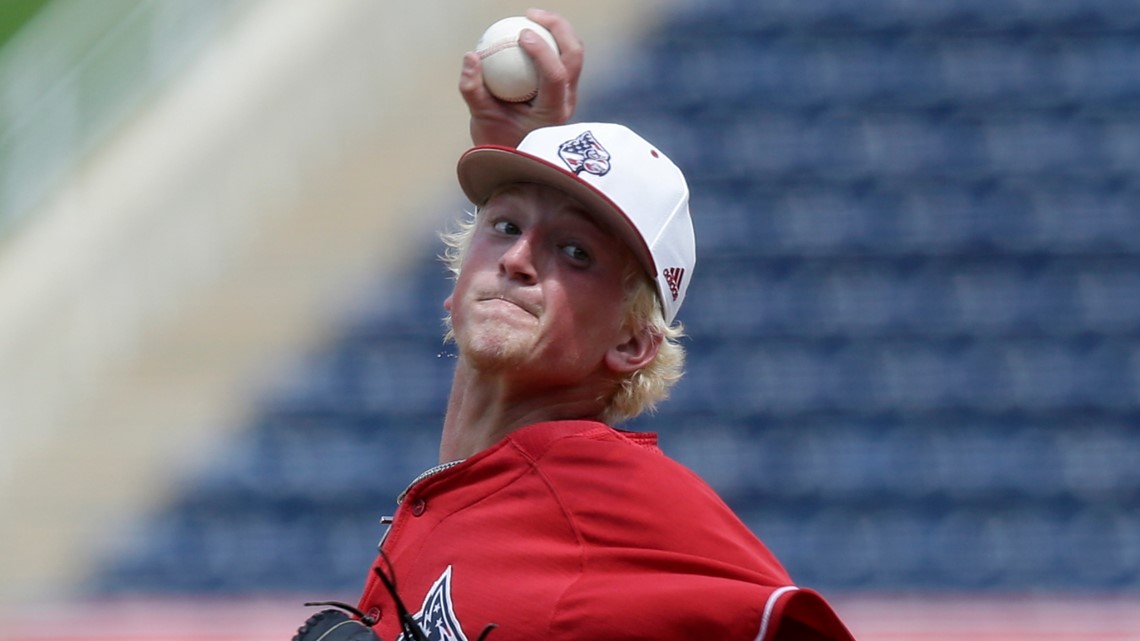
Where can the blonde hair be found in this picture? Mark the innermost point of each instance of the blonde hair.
(638, 391)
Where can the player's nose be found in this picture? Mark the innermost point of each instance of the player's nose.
(517, 262)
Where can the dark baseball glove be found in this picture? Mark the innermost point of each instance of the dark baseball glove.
(338, 625)
(334, 625)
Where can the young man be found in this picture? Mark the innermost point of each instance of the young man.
(542, 521)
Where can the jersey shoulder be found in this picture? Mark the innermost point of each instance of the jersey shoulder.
(620, 491)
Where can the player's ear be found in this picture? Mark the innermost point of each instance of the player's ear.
(638, 349)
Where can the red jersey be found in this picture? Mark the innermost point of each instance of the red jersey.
(572, 530)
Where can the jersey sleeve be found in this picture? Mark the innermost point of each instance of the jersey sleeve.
(798, 614)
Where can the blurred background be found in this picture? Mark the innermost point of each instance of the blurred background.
(914, 329)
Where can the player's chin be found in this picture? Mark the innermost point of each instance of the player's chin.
(495, 348)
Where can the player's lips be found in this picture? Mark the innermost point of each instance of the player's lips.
(530, 309)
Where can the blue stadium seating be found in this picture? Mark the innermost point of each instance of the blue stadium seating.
(914, 329)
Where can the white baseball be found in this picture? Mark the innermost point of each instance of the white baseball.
(508, 71)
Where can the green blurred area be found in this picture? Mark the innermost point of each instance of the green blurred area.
(15, 14)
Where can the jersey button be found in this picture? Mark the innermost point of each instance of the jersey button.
(419, 507)
(374, 613)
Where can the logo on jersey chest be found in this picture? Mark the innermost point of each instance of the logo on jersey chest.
(437, 614)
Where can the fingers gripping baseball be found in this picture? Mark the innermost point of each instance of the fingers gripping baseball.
(496, 121)
(559, 73)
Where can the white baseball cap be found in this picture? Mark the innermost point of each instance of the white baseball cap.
(628, 183)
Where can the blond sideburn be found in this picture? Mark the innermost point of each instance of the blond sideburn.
(639, 391)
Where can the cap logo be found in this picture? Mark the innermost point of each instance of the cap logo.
(673, 276)
(585, 153)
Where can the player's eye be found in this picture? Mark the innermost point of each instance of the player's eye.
(507, 227)
(576, 252)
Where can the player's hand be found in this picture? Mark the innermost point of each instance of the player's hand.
(495, 122)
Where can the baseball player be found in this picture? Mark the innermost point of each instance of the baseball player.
(542, 520)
